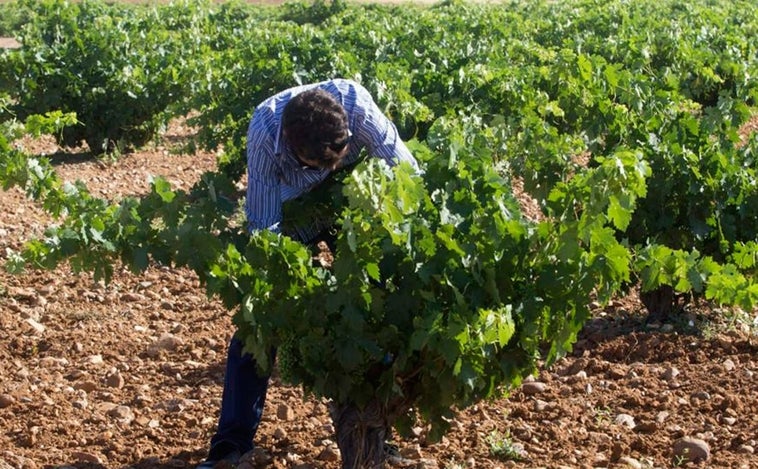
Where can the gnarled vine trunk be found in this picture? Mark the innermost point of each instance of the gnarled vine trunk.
(663, 303)
(361, 434)
(659, 303)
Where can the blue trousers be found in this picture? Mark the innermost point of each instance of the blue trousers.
(243, 397)
(241, 403)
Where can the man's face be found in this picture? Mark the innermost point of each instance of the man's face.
(328, 156)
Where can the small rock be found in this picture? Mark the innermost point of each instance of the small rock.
(51, 362)
(293, 458)
(175, 405)
(122, 413)
(540, 406)
(692, 449)
(426, 464)
(329, 453)
(32, 436)
(87, 457)
(6, 400)
(86, 386)
(80, 403)
(39, 328)
(670, 373)
(617, 372)
(285, 412)
(142, 421)
(746, 449)
(729, 365)
(105, 407)
(280, 433)
(616, 451)
(75, 374)
(132, 297)
(38, 300)
(533, 387)
(675, 431)
(261, 456)
(630, 462)
(625, 420)
(411, 452)
(115, 380)
(95, 359)
(169, 342)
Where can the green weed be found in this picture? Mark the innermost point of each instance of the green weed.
(502, 447)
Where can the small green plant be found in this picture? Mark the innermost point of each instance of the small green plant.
(708, 330)
(12, 18)
(680, 460)
(502, 446)
(454, 465)
(602, 415)
(740, 320)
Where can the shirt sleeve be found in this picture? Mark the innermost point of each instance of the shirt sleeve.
(380, 134)
(263, 205)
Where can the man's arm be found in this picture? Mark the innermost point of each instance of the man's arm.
(263, 205)
(380, 134)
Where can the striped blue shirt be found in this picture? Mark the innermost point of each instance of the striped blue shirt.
(274, 174)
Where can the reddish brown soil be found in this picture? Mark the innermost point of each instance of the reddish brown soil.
(130, 374)
(9, 43)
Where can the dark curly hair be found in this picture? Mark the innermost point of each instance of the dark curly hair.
(315, 125)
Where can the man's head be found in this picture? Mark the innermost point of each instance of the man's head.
(316, 129)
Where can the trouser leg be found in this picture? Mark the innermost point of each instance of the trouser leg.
(241, 405)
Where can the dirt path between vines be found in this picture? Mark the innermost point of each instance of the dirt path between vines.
(129, 375)
(9, 43)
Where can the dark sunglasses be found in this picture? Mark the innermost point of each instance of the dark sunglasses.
(338, 146)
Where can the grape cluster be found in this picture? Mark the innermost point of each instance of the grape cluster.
(288, 361)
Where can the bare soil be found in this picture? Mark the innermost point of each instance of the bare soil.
(129, 374)
(9, 43)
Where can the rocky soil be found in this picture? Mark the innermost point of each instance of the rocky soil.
(129, 374)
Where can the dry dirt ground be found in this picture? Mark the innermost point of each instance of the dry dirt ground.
(129, 374)
(9, 43)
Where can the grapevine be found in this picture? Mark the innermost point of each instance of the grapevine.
(441, 292)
